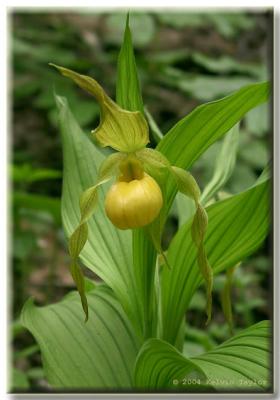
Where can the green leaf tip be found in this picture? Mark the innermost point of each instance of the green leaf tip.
(79, 279)
(127, 20)
(226, 297)
(128, 91)
(28, 305)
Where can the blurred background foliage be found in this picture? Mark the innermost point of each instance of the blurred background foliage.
(184, 59)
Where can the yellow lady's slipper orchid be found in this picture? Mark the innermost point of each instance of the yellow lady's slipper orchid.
(135, 199)
(135, 203)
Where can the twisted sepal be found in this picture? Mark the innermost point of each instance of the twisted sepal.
(124, 131)
(188, 186)
(88, 204)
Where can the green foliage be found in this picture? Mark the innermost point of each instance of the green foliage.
(227, 24)
(142, 25)
(135, 336)
(225, 164)
(160, 366)
(224, 247)
(76, 355)
(25, 173)
(226, 298)
(19, 380)
(251, 206)
(243, 363)
(210, 122)
(203, 88)
(38, 202)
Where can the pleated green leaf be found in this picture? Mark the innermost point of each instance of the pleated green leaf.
(77, 356)
(236, 227)
(108, 251)
(160, 366)
(191, 136)
(240, 364)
